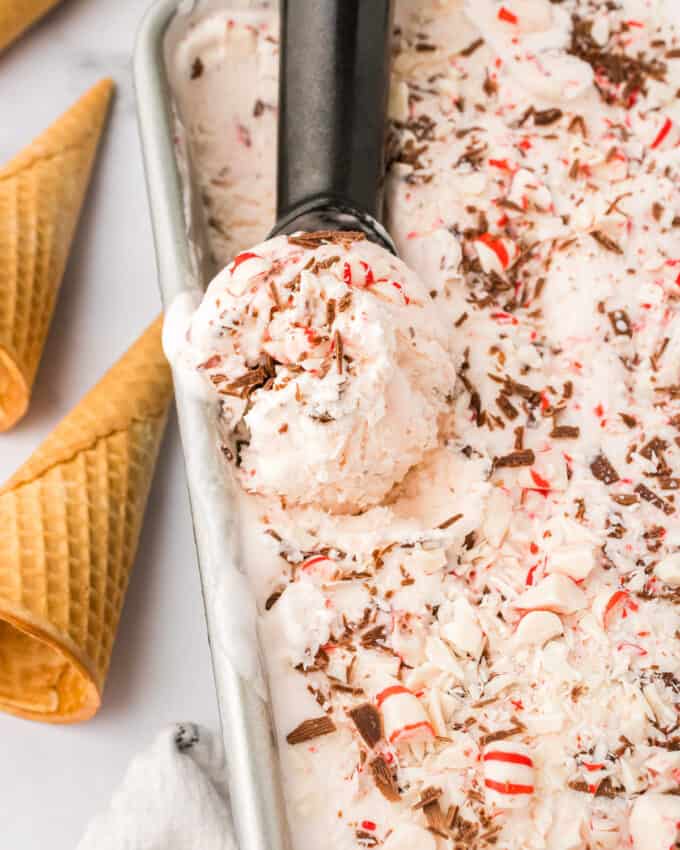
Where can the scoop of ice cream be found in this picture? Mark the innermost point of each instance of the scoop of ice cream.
(331, 353)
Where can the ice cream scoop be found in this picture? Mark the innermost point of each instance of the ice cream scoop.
(333, 370)
(333, 89)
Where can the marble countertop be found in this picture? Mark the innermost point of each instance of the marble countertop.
(54, 779)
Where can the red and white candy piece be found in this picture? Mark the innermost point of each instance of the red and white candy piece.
(508, 774)
(556, 593)
(404, 718)
(610, 605)
(495, 253)
(243, 268)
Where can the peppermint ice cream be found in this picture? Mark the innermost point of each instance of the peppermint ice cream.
(331, 366)
(488, 655)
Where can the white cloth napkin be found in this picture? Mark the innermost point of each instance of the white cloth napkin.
(173, 797)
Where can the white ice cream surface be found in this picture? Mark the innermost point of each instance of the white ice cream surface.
(509, 611)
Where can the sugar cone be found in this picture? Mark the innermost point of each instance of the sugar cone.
(69, 525)
(18, 15)
(41, 193)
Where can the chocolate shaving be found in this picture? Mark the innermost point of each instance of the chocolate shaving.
(476, 407)
(579, 785)
(606, 788)
(673, 391)
(269, 364)
(524, 117)
(347, 689)
(615, 203)
(565, 432)
(603, 470)
(519, 438)
(545, 117)
(658, 354)
(410, 154)
(450, 521)
(338, 351)
(490, 86)
(367, 719)
(654, 447)
(384, 779)
(650, 496)
(628, 420)
(422, 127)
(470, 49)
(606, 242)
(312, 728)
(625, 74)
(325, 264)
(245, 385)
(436, 818)
(578, 123)
(580, 509)
(274, 292)
(326, 237)
(502, 734)
(625, 499)
(512, 387)
(523, 457)
(507, 204)
(452, 817)
(620, 323)
(330, 312)
(272, 599)
(344, 302)
(657, 211)
(324, 417)
(507, 407)
(373, 636)
(429, 795)
(197, 68)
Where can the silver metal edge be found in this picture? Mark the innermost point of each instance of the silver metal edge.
(252, 762)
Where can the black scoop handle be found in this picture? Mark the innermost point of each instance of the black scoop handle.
(334, 79)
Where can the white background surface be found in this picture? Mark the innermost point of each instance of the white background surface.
(53, 779)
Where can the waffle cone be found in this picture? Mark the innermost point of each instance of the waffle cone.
(41, 193)
(70, 520)
(17, 15)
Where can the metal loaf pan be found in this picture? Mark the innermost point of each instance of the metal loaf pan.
(252, 761)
